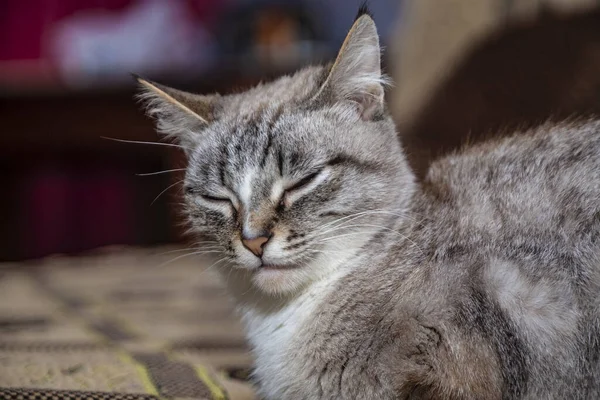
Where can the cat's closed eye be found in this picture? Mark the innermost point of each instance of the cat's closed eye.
(303, 186)
(303, 182)
(213, 199)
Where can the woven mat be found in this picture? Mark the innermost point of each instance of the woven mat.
(119, 325)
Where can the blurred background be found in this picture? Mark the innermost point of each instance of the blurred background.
(463, 70)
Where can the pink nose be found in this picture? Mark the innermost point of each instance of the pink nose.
(256, 245)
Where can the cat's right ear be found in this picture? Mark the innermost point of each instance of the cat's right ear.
(356, 74)
(179, 115)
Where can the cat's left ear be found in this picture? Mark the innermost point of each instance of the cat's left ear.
(179, 115)
(356, 74)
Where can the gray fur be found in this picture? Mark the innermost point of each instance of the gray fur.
(480, 283)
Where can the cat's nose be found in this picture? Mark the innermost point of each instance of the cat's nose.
(256, 244)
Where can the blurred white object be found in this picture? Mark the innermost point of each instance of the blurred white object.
(152, 36)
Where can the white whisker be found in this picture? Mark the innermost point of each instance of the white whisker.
(169, 187)
(161, 172)
(214, 264)
(195, 253)
(354, 216)
(186, 249)
(142, 142)
(327, 239)
(379, 227)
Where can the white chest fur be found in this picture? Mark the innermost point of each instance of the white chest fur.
(274, 335)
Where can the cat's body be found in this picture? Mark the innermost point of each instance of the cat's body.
(492, 294)
(354, 282)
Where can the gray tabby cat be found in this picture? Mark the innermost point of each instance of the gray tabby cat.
(354, 281)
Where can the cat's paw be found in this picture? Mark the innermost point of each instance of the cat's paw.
(413, 348)
(426, 341)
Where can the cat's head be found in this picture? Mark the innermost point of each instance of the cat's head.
(294, 177)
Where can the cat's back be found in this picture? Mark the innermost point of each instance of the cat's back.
(518, 219)
(531, 200)
(544, 182)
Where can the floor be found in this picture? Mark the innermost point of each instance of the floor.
(119, 324)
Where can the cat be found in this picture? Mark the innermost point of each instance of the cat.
(355, 281)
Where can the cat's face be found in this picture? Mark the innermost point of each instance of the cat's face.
(270, 188)
(292, 178)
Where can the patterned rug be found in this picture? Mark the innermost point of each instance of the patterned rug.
(121, 325)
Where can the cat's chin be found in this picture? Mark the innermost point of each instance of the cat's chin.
(278, 267)
(279, 279)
